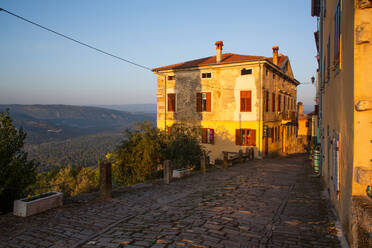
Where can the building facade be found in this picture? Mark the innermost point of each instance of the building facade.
(238, 101)
(344, 42)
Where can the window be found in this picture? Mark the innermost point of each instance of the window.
(246, 71)
(207, 75)
(267, 101)
(272, 135)
(245, 101)
(273, 102)
(307, 124)
(207, 136)
(171, 78)
(273, 75)
(279, 102)
(337, 30)
(284, 98)
(171, 102)
(267, 72)
(245, 137)
(203, 102)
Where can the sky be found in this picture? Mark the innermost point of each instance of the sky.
(39, 67)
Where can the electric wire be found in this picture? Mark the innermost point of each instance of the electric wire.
(76, 41)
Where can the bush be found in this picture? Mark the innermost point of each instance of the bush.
(138, 155)
(183, 147)
(142, 150)
(16, 172)
(70, 181)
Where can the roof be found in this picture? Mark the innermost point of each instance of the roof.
(281, 60)
(226, 58)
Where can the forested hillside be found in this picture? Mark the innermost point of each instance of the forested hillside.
(44, 123)
(83, 151)
(61, 135)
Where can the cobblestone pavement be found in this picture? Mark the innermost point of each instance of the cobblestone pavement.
(268, 203)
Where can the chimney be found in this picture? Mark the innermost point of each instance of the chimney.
(275, 54)
(219, 45)
(299, 108)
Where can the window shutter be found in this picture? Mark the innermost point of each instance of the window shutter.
(249, 101)
(171, 102)
(252, 137)
(198, 102)
(204, 135)
(211, 136)
(238, 137)
(273, 102)
(242, 101)
(209, 102)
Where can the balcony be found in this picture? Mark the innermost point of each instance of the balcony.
(288, 115)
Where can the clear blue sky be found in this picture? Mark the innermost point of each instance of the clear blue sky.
(39, 67)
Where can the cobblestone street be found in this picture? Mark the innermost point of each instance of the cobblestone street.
(268, 203)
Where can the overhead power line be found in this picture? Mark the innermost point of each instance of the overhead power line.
(76, 41)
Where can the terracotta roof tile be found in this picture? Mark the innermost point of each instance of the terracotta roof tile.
(281, 60)
(226, 58)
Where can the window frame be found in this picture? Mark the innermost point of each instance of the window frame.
(247, 139)
(199, 101)
(206, 75)
(208, 136)
(173, 100)
(246, 102)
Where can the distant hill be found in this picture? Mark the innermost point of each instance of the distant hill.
(133, 108)
(44, 123)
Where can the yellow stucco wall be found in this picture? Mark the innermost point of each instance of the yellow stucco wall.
(346, 86)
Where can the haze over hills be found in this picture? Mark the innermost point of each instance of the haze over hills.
(149, 108)
(59, 135)
(57, 122)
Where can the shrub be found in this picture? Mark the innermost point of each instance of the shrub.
(16, 172)
(143, 149)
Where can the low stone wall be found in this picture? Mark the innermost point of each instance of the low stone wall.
(361, 226)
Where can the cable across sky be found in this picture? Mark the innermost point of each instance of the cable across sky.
(76, 41)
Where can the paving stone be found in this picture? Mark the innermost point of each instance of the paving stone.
(268, 203)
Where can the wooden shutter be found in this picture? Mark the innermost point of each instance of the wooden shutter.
(204, 135)
(242, 101)
(252, 137)
(279, 99)
(209, 102)
(245, 101)
(171, 102)
(211, 136)
(273, 102)
(248, 101)
(238, 137)
(198, 102)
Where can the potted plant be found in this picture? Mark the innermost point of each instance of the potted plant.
(36, 204)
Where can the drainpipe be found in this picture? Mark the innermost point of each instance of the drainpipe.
(260, 111)
(165, 105)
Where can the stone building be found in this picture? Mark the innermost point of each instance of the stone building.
(238, 101)
(344, 42)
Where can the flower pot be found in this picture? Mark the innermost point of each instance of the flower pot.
(180, 173)
(37, 204)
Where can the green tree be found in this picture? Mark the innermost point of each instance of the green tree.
(142, 150)
(16, 172)
(138, 155)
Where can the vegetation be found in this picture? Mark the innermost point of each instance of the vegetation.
(70, 181)
(83, 151)
(141, 152)
(16, 172)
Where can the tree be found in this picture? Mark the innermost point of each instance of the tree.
(16, 172)
(138, 155)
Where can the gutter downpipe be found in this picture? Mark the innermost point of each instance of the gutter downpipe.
(260, 112)
(321, 88)
(165, 105)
